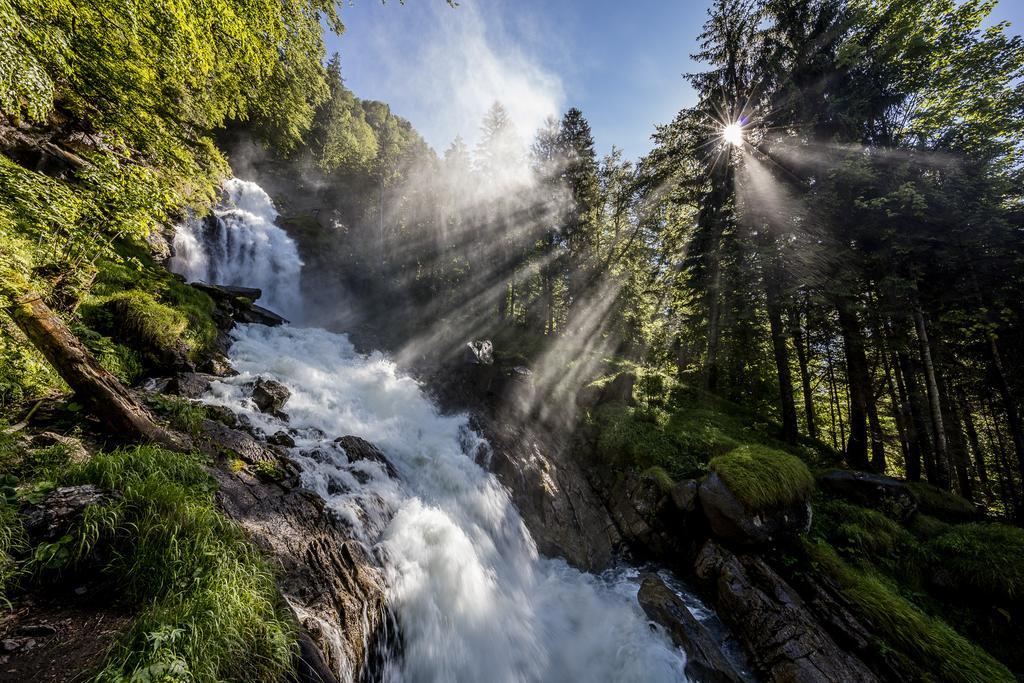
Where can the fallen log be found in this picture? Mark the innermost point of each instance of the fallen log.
(101, 392)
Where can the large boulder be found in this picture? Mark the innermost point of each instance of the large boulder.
(269, 395)
(479, 353)
(869, 490)
(237, 304)
(734, 522)
(773, 623)
(704, 659)
(189, 384)
(361, 449)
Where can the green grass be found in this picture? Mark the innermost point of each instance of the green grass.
(943, 504)
(211, 611)
(928, 645)
(762, 478)
(984, 559)
(12, 542)
(869, 536)
(183, 414)
(637, 438)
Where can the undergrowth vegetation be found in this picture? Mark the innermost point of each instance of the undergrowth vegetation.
(205, 594)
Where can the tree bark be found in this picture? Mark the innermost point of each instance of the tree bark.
(859, 383)
(101, 393)
(805, 376)
(1009, 405)
(975, 444)
(934, 406)
(781, 352)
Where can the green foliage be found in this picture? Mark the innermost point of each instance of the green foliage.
(633, 437)
(762, 477)
(268, 470)
(926, 527)
(868, 536)
(943, 504)
(183, 414)
(927, 644)
(660, 477)
(206, 592)
(12, 542)
(985, 559)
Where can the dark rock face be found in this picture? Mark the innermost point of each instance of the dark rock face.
(259, 315)
(731, 521)
(281, 438)
(360, 449)
(269, 396)
(52, 517)
(704, 659)
(773, 622)
(236, 443)
(874, 491)
(189, 384)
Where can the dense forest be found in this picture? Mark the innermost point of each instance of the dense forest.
(817, 270)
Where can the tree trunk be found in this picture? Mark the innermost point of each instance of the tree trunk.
(805, 376)
(781, 352)
(102, 393)
(934, 406)
(959, 457)
(975, 444)
(858, 382)
(912, 459)
(834, 392)
(1009, 405)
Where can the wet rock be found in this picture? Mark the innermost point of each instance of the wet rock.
(684, 495)
(269, 395)
(228, 292)
(326, 578)
(258, 315)
(222, 414)
(61, 508)
(873, 491)
(732, 521)
(479, 353)
(704, 659)
(361, 449)
(774, 624)
(281, 438)
(217, 364)
(189, 384)
(234, 443)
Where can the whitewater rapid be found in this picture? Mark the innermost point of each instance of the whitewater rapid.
(473, 599)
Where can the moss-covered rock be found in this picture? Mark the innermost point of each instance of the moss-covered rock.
(763, 478)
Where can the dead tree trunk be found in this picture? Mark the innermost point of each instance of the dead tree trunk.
(102, 393)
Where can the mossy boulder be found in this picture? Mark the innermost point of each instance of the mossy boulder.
(756, 495)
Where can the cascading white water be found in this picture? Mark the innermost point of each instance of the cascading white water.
(473, 599)
(241, 244)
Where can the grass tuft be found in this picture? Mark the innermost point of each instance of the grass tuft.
(946, 506)
(212, 611)
(986, 559)
(183, 414)
(761, 477)
(928, 644)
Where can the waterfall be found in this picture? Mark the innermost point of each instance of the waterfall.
(240, 243)
(472, 597)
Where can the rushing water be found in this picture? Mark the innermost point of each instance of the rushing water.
(474, 600)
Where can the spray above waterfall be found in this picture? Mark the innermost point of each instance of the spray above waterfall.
(472, 597)
(240, 243)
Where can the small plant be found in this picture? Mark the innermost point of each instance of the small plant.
(986, 559)
(268, 470)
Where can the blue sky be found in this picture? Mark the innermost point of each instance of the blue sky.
(620, 61)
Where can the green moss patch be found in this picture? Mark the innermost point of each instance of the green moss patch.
(183, 414)
(928, 645)
(868, 536)
(943, 504)
(985, 559)
(762, 477)
(637, 437)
